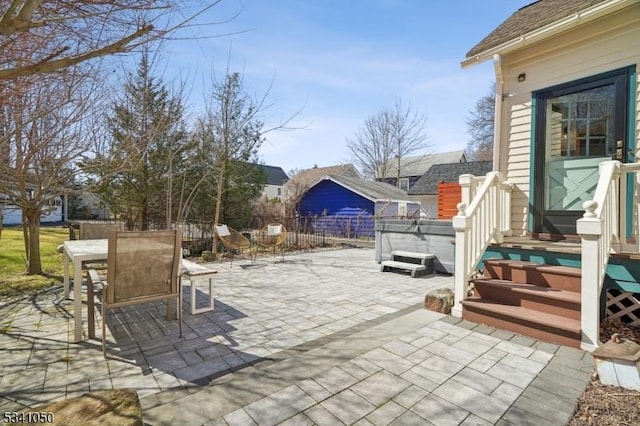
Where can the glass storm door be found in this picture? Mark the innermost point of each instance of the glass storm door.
(578, 126)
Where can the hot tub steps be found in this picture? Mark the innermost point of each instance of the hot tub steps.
(417, 264)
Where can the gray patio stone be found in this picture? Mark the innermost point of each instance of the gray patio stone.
(298, 420)
(314, 390)
(523, 364)
(239, 418)
(169, 361)
(511, 375)
(408, 397)
(386, 414)
(438, 411)
(321, 416)
(279, 406)
(388, 361)
(476, 380)
(381, 387)
(490, 409)
(514, 348)
(335, 380)
(425, 379)
(348, 406)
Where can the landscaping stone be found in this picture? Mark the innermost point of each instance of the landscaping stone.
(440, 300)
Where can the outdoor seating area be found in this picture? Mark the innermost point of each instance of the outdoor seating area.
(324, 335)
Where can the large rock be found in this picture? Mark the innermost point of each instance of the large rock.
(440, 300)
(115, 407)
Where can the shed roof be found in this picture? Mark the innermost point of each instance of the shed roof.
(428, 182)
(530, 18)
(371, 190)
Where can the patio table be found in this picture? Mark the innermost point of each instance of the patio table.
(78, 251)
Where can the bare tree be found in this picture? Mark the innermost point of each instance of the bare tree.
(45, 132)
(45, 36)
(386, 138)
(480, 126)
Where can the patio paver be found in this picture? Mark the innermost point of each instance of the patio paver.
(319, 338)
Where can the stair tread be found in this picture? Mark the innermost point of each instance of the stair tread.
(531, 315)
(403, 265)
(544, 291)
(413, 254)
(543, 267)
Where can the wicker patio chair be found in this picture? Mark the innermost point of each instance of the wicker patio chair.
(233, 241)
(141, 267)
(272, 236)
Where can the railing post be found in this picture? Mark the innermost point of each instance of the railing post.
(465, 186)
(461, 258)
(590, 230)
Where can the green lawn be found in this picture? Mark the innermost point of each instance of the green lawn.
(13, 280)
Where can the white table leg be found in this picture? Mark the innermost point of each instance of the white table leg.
(65, 273)
(208, 308)
(77, 301)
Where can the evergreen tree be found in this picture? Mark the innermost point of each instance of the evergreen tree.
(147, 145)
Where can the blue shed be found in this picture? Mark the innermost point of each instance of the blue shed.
(344, 206)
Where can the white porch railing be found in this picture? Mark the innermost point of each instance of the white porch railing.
(603, 231)
(484, 216)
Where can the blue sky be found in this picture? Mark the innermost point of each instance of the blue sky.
(342, 61)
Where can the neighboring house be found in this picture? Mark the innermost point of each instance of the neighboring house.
(301, 181)
(348, 206)
(412, 168)
(276, 179)
(11, 214)
(425, 189)
(568, 102)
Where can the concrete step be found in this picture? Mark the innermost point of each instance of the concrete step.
(415, 269)
(529, 322)
(412, 257)
(539, 298)
(522, 272)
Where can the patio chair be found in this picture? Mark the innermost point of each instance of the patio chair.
(142, 267)
(272, 236)
(232, 240)
(97, 231)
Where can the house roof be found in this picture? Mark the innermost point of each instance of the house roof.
(310, 176)
(275, 175)
(418, 165)
(371, 190)
(530, 18)
(428, 183)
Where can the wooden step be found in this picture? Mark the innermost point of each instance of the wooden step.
(525, 321)
(539, 298)
(415, 269)
(553, 276)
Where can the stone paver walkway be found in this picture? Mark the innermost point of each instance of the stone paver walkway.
(322, 338)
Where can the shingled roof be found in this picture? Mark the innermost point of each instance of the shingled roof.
(530, 18)
(275, 175)
(428, 182)
(372, 190)
(311, 176)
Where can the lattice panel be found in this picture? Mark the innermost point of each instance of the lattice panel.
(622, 305)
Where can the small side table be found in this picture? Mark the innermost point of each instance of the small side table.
(193, 272)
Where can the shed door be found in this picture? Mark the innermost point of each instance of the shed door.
(578, 126)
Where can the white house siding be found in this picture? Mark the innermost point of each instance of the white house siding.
(271, 192)
(12, 215)
(604, 45)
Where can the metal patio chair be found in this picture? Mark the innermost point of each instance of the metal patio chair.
(142, 267)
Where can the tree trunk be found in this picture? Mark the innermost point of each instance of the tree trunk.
(32, 237)
(216, 218)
